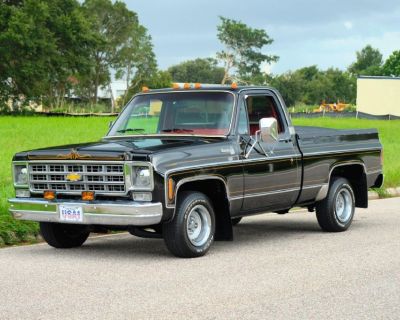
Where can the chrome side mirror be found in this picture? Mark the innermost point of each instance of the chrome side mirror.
(269, 130)
(268, 133)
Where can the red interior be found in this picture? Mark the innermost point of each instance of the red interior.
(203, 131)
(269, 113)
(217, 131)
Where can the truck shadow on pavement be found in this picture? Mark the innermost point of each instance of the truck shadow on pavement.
(271, 229)
(249, 232)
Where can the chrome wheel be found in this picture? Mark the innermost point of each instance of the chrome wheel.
(198, 226)
(343, 205)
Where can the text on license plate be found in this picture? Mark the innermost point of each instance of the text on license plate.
(71, 213)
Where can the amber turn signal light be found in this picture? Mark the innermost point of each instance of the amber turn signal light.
(87, 195)
(49, 195)
(171, 187)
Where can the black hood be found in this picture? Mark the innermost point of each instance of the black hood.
(122, 149)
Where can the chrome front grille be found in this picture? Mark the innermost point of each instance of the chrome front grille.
(103, 178)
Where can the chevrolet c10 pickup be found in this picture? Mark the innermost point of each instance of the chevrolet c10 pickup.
(187, 164)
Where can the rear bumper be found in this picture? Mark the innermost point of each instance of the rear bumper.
(118, 213)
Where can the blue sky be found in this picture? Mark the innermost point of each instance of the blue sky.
(325, 32)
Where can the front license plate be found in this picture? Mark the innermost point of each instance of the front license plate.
(71, 213)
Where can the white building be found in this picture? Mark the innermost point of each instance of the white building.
(378, 96)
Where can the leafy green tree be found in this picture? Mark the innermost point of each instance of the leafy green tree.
(309, 73)
(368, 62)
(115, 26)
(198, 70)
(42, 43)
(136, 61)
(332, 85)
(157, 80)
(392, 65)
(311, 86)
(242, 53)
(343, 86)
(290, 85)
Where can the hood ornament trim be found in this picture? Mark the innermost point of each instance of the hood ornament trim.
(73, 155)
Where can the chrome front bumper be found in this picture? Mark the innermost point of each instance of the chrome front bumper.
(118, 213)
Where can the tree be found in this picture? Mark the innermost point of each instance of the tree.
(198, 70)
(311, 86)
(290, 86)
(136, 60)
(157, 80)
(114, 26)
(343, 86)
(332, 85)
(368, 62)
(309, 73)
(392, 65)
(42, 43)
(242, 51)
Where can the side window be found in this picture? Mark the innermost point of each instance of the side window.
(243, 125)
(262, 107)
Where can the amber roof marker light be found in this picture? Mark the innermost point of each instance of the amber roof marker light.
(175, 86)
(197, 85)
(234, 85)
(186, 86)
(145, 89)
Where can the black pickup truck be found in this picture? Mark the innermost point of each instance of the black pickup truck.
(186, 164)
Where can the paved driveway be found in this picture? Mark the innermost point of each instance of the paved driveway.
(278, 267)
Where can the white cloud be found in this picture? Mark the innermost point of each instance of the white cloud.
(348, 25)
(305, 33)
(267, 68)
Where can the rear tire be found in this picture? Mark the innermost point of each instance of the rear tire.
(60, 235)
(191, 231)
(335, 213)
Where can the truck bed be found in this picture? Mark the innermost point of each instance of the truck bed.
(306, 133)
(323, 140)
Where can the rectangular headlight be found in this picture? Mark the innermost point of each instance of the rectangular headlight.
(142, 177)
(20, 175)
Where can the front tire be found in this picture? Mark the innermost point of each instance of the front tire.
(235, 221)
(191, 231)
(60, 235)
(335, 213)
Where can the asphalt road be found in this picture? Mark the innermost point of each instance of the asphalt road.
(278, 267)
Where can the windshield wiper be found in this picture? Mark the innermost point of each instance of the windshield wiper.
(131, 130)
(177, 130)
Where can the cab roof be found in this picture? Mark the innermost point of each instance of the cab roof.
(208, 87)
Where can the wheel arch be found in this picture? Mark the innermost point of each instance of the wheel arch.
(355, 173)
(216, 189)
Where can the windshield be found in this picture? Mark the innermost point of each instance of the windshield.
(197, 113)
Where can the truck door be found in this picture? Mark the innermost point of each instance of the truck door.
(272, 181)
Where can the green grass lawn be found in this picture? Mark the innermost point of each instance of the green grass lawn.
(25, 133)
